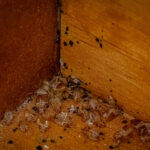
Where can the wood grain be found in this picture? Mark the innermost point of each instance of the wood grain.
(73, 137)
(28, 49)
(120, 68)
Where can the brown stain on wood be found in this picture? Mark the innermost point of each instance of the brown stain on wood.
(28, 49)
(124, 56)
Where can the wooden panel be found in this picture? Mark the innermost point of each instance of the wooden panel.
(119, 64)
(28, 51)
(73, 137)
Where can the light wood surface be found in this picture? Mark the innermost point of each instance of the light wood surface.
(120, 68)
(28, 49)
(72, 138)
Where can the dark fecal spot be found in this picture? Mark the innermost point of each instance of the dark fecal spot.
(70, 96)
(58, 32)
(77, 42)
(110, 80)
(85, 96)
(39, 147)
(65, 66)
(129, 142)
(121, 109)
(47, 106)
(35, 108)
(67, 28)
(113, 23)
(65, 129)
(101, 46)
(52, 141)
(58, 40)
(69, 84)
(85, 100)
(87, 109)
(15, 129)
(29, 99)
(111, 91)
(64, 99)
(135, 121)
(71, 43)
(10, 142)
(97, 39)
(69, 76)
(105, 102)
(101, 133)
(111, 147)
(61, 11)
(124, 121)
(44, 141)
(66, 33)
(61, 137)
(65, 44)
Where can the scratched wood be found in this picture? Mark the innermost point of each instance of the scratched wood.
(118, 64)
